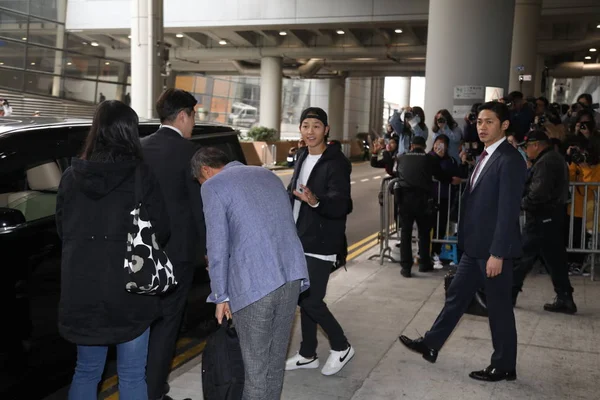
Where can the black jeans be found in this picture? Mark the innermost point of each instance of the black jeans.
(542, 238)
(414, 208)
(314, 311)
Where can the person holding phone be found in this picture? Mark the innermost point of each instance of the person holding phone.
(444, 124)
(407, 125)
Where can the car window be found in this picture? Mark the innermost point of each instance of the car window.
(32, 190)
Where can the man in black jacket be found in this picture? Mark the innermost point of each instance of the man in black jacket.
(546, 194)
(416, 170)
(169, 152)
(320, 195)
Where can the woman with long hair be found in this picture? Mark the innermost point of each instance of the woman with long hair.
(95, 199)
(444, 124)
(408, 124)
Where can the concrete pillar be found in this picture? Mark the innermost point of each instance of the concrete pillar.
(337, 97)
(376, 109)
(122, 79)
(524, 45)
(487, 33)
(61, 13)
(404, 95)
(170, 80)
(146, 34)
(270, 93)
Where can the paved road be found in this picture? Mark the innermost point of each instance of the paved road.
(365, 180)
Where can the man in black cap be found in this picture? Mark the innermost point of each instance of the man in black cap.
(544, 200)
(416, 170)
(320, 195)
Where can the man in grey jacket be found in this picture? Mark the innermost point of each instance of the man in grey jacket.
(257, 266)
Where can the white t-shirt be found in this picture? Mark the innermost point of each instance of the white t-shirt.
(305, 171)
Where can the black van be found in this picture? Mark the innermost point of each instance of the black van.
(34, 359)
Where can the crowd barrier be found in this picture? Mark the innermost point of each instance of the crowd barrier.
(583, 220)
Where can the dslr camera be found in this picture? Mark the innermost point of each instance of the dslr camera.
(472, 117)
(578, 156)
(408, 115)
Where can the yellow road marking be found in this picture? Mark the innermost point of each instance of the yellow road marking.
(357, 244)
(361, 250)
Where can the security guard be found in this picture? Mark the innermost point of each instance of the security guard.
(416, 170)
(546, 194)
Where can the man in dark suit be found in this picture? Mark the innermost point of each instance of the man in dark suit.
(489, 236)
(168, 152)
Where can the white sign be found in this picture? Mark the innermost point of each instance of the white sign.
(459, 112)
(525, 78)
(493, 93)
(468, 92)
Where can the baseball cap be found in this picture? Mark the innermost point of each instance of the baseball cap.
(418, 141)
(535, 136)
(314, 112)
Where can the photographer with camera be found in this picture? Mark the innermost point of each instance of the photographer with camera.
(584, 102)
(409, 125)
(5, 108)
(444, 124)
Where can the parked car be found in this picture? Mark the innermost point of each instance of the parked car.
(35, 360)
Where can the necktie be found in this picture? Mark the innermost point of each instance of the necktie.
(478, 167)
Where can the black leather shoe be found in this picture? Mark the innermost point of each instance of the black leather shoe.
(562, 305)
(418, 346)
(167, 397)
(405, 272)
(491, 374)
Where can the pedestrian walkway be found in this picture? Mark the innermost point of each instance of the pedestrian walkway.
(558, 354)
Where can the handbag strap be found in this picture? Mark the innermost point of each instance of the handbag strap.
(138, 185)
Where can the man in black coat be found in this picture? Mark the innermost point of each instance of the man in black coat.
(544, 201)
(169, 152)
(490, 238)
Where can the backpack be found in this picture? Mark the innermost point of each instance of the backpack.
(222, 365)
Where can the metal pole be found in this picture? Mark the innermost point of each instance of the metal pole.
(273, 155)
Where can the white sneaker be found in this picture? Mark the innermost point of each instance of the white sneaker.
(438, 265)
(299, 362)
(337, 360)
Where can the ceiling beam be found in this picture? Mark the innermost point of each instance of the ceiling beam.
(271, 39)
(407, 29)
(302, 36)
(249, 38)
(198, 38)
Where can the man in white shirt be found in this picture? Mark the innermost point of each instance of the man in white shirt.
(320, 195)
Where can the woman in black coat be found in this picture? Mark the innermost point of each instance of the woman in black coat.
(95, 198)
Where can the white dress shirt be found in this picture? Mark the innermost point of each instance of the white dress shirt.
(489, 150)
(173, 128)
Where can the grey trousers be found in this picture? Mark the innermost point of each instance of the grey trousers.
(264, 331)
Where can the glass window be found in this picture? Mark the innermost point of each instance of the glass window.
(47, 9)
(17, 5)
(11, 79)
(39, 83)
(12, 54)
(112, 71)
(44, 32)
(80, 66)
(13, 26)
(77, 89)
(41, 59)
(107, 91)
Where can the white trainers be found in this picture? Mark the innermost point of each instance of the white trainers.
(337, 360)
(299, 362)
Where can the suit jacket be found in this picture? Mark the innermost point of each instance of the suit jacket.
(168, 154)
(253, 247)
(489, 216)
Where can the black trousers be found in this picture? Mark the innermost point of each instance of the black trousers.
(414, 208)
(470, 276)
(542, 238)
(164, 332)
(314, 311)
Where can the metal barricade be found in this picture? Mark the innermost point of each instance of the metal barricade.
(388, 225)
(585, 193)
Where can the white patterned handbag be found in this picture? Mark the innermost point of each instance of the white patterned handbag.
(148, 270)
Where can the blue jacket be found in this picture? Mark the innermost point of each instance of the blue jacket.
(252, 244)
(405, 134)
